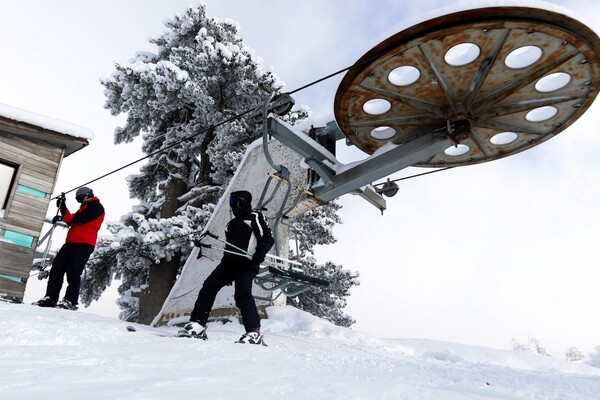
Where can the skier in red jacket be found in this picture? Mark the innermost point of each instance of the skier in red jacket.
(84, 225)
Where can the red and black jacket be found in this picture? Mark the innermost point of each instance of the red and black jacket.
(85, 223)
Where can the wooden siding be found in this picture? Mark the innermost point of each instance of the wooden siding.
(16, 261)
(38, 167)
(26, 214)
(13, 257)
(12, 290)
(38, 160)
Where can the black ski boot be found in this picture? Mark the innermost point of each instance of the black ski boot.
(45, 302)
(66, 305)
(193, 329)
(252, 338)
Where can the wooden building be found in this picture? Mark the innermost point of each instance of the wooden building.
(32, 147)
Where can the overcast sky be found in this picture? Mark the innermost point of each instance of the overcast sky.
(507, 248)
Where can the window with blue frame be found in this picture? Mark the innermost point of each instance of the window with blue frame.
(19, 239)
(31, 191)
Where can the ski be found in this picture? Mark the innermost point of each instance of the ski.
(131, 328)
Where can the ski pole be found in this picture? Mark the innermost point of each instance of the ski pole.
(210, 246)
(61, 200)
(47, 249)
(212, 235)
(267, 263)
(248, 256)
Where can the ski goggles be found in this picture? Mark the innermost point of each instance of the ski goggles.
(81, 197)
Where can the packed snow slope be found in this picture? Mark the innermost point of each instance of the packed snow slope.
(68, 355)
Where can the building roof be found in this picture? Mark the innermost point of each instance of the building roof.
(45, 129)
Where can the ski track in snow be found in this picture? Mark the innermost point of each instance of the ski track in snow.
(50, 354)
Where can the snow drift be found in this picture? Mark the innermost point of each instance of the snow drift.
(50, 354)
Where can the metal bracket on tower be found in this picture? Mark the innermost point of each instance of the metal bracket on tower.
(338, 179)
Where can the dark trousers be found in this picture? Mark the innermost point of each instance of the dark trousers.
(224, 274)
(70, 260)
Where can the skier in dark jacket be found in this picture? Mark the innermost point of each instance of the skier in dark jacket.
(249, 231)
(84, 225)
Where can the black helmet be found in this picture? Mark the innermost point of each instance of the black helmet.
(82, 192)
(240, 202)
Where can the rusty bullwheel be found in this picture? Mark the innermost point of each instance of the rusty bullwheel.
(497, 80)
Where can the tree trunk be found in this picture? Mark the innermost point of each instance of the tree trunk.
(161, 276)
(161, 279)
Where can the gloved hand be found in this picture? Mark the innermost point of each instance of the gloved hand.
(258, 258)
(255, 267)
(43, 274)
(61, 203)
(56, 219)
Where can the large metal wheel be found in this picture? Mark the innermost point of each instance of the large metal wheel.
(497, 80)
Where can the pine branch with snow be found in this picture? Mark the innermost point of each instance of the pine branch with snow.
(315, 228)
(311, 229)
(328, 302)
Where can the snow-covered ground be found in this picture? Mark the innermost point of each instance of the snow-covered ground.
(60, 354)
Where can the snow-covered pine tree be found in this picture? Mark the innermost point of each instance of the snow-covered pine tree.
(532, 346)
(202, 75)
(573, 354)
(594, 360)
(311, 229)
